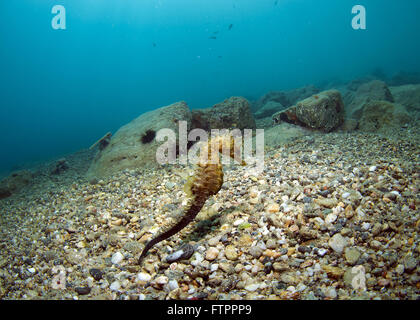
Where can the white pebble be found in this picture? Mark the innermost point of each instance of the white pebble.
(172, 285)
(372, 168)
(322, 252)
(345, 195)
(115, 286)
(117, 258)
(365, 226)
(142, 276)
(252, 287)
(330, 218)
(337, 243)
(238, 222)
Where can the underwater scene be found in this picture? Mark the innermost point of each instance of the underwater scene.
(209, 150)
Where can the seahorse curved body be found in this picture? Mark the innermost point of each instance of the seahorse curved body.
(207, 181)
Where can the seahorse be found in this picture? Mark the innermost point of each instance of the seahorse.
(206, 182)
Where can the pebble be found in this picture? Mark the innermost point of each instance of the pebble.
(352, 255)
(173, 284)
(115, 286)
(83, 290)
(337, 243)
(231, 253)
(252, 287)
(212, 253)
(144, 277)
(117, 258)
(96, 274)
(256, 251)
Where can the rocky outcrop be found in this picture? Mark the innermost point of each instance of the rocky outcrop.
(382, 116)
(370, 91)
(234, 112)
(323, 111)
(134, 145)
(403, 78)
(286, 98)
(270, 108)
(15, 183)
(407, 95)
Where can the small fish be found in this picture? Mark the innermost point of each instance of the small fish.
(230, 26)
(154, 44)
(275, 2)
(215, 32)
(219, 57)
(212, 37)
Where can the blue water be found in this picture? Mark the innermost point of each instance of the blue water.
(61, 90)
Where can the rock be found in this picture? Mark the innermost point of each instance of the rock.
(134, 145)
(410, 263)
(256, 251)
(96, 274)
(327, 202)
(115, 286)
(234, 112)
(212, 253)
(144, 277)
(267, 110)
(173, 284)
(281, 133)
(82, 290)
(352, 255)
(382, 116)
(408, 96)
(333, 272)
(404, 77)
(286, 98)
(337, 243)
(323, 111)
(371, 91)
(252, 287)
(117, 258)
(15, 182)
(231, 253)
(60, 166)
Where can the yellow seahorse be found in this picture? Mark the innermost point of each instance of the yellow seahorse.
(206, 181)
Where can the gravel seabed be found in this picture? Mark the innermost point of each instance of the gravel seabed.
(324, 204)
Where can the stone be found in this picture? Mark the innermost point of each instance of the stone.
(323, 111)
(256, 251)
(327, 202)
(337, 243)
(144, 277)
(408, 96)
(382, 116)
(371, 91)
(96, 273)
(231, 253)
(410, 263)
(234, 112)
(117, 258)
(212, 253)
(134, 145)
(267, 110)
(15, 182)
(285, 98)
(352, 255)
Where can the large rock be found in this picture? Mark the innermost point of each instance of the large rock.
(383, 116)
(286, 98)
(323, 111)
(134, 145)
(234, 112)
(407, 95)
(270, 108)
(15, 183)
(403, 78)
(370, 91)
